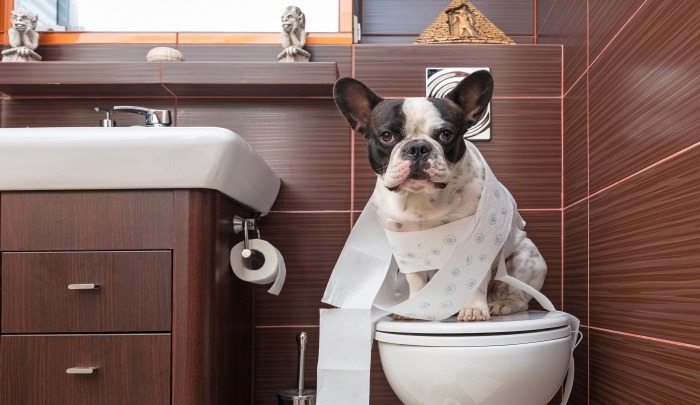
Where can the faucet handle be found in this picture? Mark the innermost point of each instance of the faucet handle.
(107, 121)
(154, 118)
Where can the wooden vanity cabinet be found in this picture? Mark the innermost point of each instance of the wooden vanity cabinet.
(122, 297)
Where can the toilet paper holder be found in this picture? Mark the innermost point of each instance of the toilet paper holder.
(244, 225)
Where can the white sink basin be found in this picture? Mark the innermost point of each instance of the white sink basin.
(136, 158)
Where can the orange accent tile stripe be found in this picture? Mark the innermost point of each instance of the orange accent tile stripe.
(5, 9)
(260, 38)
(52, 38)
(666, 341)
(345, 16)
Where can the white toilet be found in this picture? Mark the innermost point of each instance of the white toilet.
(518, 359)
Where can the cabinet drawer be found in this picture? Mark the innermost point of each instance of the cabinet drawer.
(129, 369)
(133, 293)
(86, 220)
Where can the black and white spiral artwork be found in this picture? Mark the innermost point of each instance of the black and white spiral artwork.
(440, 81)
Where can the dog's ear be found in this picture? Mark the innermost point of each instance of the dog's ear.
(473, 94)
(355, 101)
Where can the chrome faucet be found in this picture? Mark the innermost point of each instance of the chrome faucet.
(154, 118)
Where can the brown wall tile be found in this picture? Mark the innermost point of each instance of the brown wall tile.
(544, 229)
(306, 142)
(310, 245)
(566, 25)
(19, 113)
(408, 39)
(628, 370)
(579, 392)
(97, 52)
(576, 143)
(411, 17)
(576, 261)
(276, 362)
(525, 153)
(543, 8)
(519, 70)
(605, 19)
(644, 255)
(644, 92)
(266, 53)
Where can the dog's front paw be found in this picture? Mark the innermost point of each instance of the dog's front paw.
(505, 307)
(497, 308)
(473, 314)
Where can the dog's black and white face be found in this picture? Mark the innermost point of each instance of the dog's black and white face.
(415, 144)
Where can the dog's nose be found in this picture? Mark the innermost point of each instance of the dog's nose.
(417, 149)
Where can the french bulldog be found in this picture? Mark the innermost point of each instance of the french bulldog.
(426, 177)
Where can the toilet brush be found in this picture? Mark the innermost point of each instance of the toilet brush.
(299, 396)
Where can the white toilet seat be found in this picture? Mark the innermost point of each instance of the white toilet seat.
(519, 328)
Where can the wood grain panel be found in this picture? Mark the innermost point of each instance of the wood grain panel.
(212, 347)
(576, 143)
(310, 244)
(605, 19)
(86, 220)
(134, 295)
(271, 79)
(544, 229)
(566, 25)
(411, 17)
(73, 112)
(525, 153)
(97, 52)
(519, 71)
(339, 54)
(579, 392)
(543, 7)
(68, 79)
(408, 39)
(306, 142)
(576, 261)
(644, 92)
(626, 370)
(130, 369)
(644, 255)
(276, 361)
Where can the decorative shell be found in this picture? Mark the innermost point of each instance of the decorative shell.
(164, 54)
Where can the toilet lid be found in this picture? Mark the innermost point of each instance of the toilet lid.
(522, 327)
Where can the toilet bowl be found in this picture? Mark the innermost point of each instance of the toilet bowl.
(517, 359)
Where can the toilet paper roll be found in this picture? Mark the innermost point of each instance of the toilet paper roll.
(273, 269)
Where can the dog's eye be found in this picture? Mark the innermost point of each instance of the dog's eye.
(387, 137)
(446, 135)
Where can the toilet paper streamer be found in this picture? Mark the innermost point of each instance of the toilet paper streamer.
(365, 284)
(272, 270)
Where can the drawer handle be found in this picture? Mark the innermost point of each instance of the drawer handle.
(83, 286)
(81, 370)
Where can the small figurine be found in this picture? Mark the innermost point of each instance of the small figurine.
(164, 54)
(23, 37)
(293, 36)
(461, 21)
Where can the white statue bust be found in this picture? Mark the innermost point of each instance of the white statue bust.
(23, 37)
(293, 36)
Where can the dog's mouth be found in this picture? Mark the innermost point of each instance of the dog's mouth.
(416, 185)
(416, 177)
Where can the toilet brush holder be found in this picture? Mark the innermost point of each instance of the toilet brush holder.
(299, 396)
